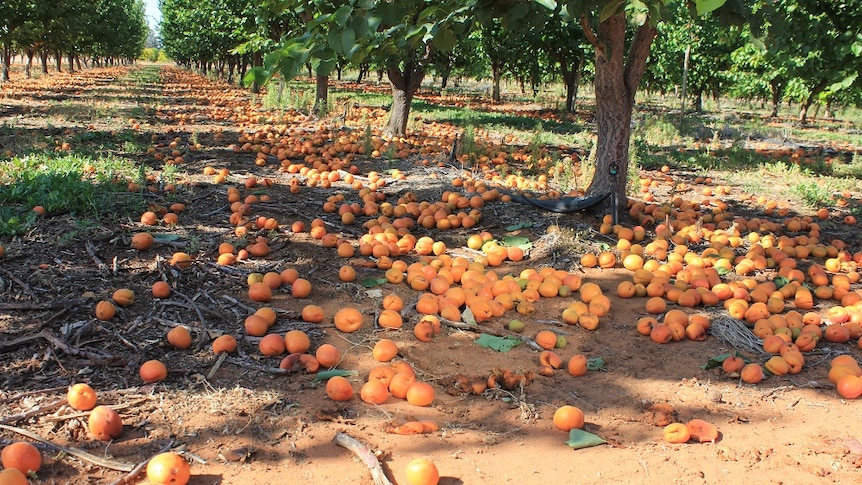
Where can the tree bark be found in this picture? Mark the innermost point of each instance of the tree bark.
(496, 75)
(7, 62)
(58, 59)
(321, 95)
(404, 86)
(70, 59)
(806, 105)
(777, 88)
(617, 79)
(31, 52)
(44, 58)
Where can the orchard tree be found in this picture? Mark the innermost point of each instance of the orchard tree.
(710, 46)
(13, 15)
(820, 43)
(620, 61)
(409, 33)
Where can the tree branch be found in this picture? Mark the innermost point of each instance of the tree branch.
(591, 36)
(638, 53)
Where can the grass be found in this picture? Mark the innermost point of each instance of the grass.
(83, 187)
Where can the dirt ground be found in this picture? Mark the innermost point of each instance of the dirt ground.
(248, 423)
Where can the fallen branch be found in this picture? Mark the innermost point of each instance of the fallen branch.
(33, 412)
(365, 455)
(21, 395)
(76, 452)
(134, 472)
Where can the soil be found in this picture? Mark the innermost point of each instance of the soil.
(242, 420)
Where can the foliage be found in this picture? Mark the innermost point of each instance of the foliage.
(61, 185)
(104, 29)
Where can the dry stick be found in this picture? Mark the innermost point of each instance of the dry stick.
(197, 309)
(42, 306)
(32, 393)
(128, 478)
(96, 357)
(76, 452)
(20, 283)
(365, 454)
(251, 365)
(33, 412)
(91, 250)
(222, 356)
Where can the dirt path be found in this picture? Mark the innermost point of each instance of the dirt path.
(249, 424)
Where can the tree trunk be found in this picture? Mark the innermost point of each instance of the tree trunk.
(363, 71)
(43, 56)
(806, 105)
(31, 52)
(7, 62)
(496, 75)
(829, 114)
(777, 88)
(70, 59)
(58, 59)
(572, 78)
(404, 86)
(444, 81)
(257, 60)
(617, 79)
(698, 101)
(321, 96)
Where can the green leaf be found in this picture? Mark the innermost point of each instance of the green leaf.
(579, 438)
(348, 41)
(780, 281)
(372, 282)
(610, 10)
(549, 4)
(327, 374)
(715, 361)
(522, 242)
(596, 364)
(445, 39)
(706, 6)
(500, 344)
(342, 15)
(257, 75)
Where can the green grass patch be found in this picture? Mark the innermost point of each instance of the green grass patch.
(83, 187)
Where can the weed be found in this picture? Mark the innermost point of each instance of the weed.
(814, 194)
(83, 187)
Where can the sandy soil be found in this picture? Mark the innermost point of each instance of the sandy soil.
(249, 424)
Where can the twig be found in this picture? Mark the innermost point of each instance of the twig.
(134, 472)
(239, 304)
(365, 455)
(91, 250)
(460, 325)
(33, 412)
(42, 306)
(76, 452)
(203, 322)
(95, 357)
(222, 356)
(20, 283)
(210, 214)
(21, 395)
(251, 365)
